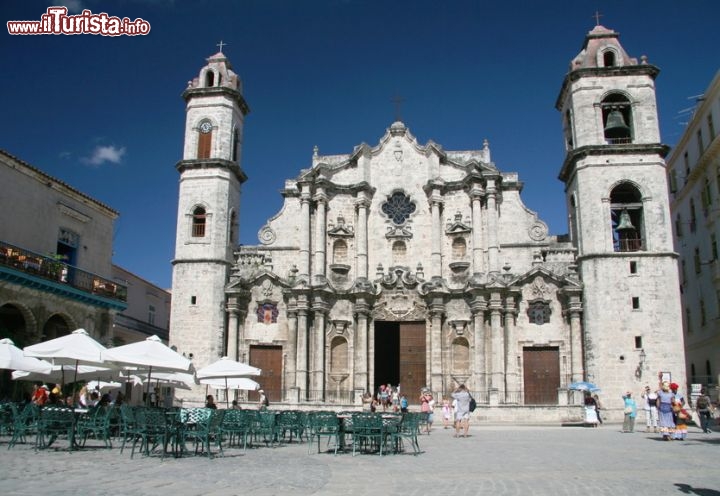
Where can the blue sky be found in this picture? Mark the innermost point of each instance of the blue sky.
(106, 116)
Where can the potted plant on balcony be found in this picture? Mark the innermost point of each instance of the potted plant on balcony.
(56, 267)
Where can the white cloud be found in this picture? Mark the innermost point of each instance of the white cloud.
(73, 6)
(102, 154)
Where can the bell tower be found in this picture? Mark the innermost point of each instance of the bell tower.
(209, 199)
(619, 218)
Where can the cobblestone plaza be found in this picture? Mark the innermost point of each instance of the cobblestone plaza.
(498, 460)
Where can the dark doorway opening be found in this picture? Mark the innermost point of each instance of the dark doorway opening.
(400, 357)
(387, 354)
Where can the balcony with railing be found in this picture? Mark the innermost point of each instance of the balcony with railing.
(628, 244)
(51, 274)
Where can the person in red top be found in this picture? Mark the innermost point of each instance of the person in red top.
(40, 394)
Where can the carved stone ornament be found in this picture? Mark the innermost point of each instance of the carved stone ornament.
(457, 226)
(267, 289)
(267, 235)
(538, 231)
(399, 305)
(538, 289)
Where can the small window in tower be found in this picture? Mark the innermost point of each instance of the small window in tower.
(193, 300)
(636, 303)
(678, 226)
(209, 79)
(198, 222)
(626, 212)
(459, 249)
(633, 267)
(696, 260)
(617, 119)
(204, 139)
(713, 248)
(235, 145)
(609, 58)
(638, 342)
(703, 319)
(686, 162)
(233, 228)
(688, 320)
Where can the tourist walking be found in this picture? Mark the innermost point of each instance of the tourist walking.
(649, 398)
(630, 411)
(703, 406)
(462, 413)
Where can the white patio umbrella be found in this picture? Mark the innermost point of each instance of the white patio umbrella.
(76, 348)
(225, 370)
(232, 383)
(148, 354)
(12, 358)
(57, 372)
(103, 385)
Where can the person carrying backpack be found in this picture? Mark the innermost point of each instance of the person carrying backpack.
(703, 406)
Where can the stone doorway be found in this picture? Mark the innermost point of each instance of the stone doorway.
(400, 357)
(541, 373)
(269, 360)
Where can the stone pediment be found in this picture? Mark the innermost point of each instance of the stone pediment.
(262, 279)
(340, 230)
(457, 226)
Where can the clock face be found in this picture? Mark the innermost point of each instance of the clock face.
(205, 127)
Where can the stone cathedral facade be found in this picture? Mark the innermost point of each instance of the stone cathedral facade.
(406, 263)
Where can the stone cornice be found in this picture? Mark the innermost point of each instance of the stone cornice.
(568, 167)
(212, 163)
(626, 70)
(230, 93)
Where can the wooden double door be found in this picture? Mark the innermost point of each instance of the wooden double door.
(400, 357)
(541, 374)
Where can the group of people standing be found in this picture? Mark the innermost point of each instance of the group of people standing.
(666, 412)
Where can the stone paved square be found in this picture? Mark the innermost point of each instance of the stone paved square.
(497, 460)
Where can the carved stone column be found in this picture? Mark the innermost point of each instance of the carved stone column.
(492, 218)
(232, 341)
(512, 373)
(304, 262)
(360, 355)
(317, 347)
(497, 348)
(291, 378)
(574, 314)
(476, 194)
(363, 203)
(301, 375)
(436, 247)
(436, 311)
(320, 232)
(478, 306)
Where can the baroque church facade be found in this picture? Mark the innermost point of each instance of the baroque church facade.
(406, 263)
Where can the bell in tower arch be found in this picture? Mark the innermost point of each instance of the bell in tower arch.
(625, 224)
(615, 126)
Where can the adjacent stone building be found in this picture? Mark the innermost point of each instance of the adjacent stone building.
(694, 177)
(406, 263)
